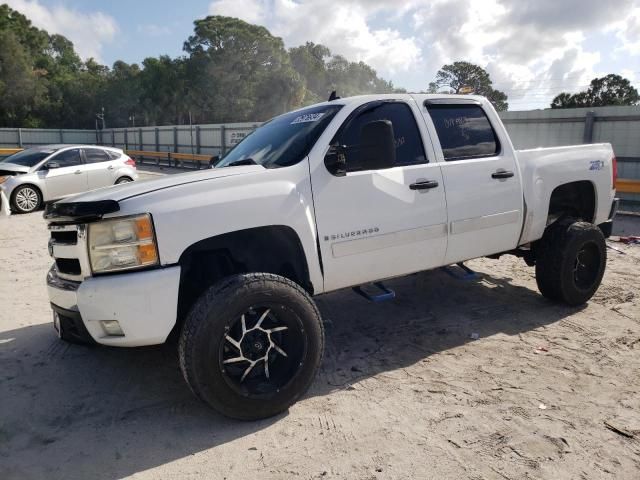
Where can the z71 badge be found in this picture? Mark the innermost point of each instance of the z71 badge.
(596, 165)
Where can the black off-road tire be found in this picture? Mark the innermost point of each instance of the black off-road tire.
(557, 261)
(202, 343)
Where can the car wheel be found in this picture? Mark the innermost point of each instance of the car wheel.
(570, 261)
(26, 199)
(251, 345)
(123, 180)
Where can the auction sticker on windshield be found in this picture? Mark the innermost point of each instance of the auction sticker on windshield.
(309, 117)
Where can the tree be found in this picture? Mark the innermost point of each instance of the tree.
(323, 72)
(232, 71)
(20, 87)
(238, 71)
(465, 77)
(608, 90)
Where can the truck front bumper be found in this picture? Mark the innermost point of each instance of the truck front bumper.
(144, 305)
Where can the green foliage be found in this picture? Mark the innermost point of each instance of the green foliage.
(608, 90)
(465, 77)
(322, 73)
(233, 71)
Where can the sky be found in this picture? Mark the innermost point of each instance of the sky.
(533, 49)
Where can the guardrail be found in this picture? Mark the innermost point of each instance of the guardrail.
(177, 159)
(623, 185)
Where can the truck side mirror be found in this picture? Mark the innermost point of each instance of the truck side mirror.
(52, 164)
(377, 148)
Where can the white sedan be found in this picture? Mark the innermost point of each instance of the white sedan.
(42, 174)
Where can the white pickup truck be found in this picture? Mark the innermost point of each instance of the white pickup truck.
(345, 193)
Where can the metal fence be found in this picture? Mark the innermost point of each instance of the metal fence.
(197, 139)
(619, 126)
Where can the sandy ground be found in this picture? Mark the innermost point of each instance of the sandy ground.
(404, 391)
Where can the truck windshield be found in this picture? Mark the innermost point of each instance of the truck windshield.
(284, 140)
(28, 158)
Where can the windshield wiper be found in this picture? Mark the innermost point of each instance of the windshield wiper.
(243, 161)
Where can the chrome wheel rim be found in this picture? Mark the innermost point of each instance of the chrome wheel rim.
(262, 351)
(27, 199)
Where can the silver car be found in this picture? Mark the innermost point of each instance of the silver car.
(42, 174)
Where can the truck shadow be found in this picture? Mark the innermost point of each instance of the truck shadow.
(71, 411)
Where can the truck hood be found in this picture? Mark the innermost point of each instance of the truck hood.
(12, 169)
(141, 187)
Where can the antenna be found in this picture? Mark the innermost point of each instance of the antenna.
(333, 96)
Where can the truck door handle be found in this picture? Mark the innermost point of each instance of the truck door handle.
(424, 184)
(110, 167)
(502, 174)
(77, 172)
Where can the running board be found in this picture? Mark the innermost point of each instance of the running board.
(467, 275)
(386, 293)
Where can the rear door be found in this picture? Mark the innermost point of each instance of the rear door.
(100, 168)
(70, 177)
(379, 223)
(482, 181)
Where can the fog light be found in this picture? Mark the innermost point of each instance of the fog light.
(112, 328)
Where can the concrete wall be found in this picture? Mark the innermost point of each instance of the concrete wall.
(619, 126)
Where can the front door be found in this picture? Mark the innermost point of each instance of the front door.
(70, 176)
(379, 223)
(484, 196)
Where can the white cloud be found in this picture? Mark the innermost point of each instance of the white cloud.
(341, 27)
(89, 32)
(153, 30)
(533, 50)
(628, 32)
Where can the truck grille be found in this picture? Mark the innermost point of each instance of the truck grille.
(68, 248)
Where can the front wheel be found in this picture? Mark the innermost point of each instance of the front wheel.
(26, 199)
(251, 345)
(570, 261)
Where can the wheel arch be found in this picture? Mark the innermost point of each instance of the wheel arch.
(576, 199)
(273, 249)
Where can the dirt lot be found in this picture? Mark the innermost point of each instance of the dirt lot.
(404, 390)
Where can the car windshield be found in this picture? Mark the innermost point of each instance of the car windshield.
(28, 158)
(284, 140)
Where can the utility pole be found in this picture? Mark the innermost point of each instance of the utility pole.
(100, 116)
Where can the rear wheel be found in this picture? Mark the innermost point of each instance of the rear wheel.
(123, 180)
(251, 345)
(26, 199)
(570, 261)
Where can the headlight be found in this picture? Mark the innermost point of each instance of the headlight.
(122, 244)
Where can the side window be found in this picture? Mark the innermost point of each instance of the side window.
(112, 155)
(68, 158)
(464, 131)
(409, 148)
(95, 155)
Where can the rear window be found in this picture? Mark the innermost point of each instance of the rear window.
(464, 131)
(95, 155)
